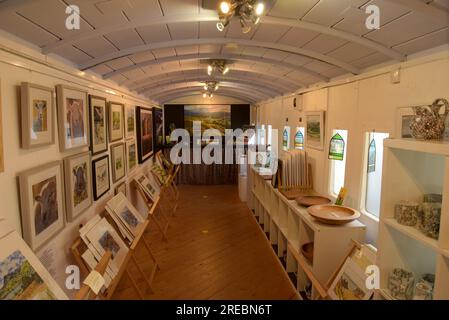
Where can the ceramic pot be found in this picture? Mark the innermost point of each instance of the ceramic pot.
(424, 287)
(430, 219)
(429, 123)
(401, 283)
(433, 198)
(407, 213)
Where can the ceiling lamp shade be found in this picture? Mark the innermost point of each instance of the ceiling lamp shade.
(210, 87)
(248, 11)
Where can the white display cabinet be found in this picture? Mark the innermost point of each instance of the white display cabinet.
(289, 226)
(411, 169)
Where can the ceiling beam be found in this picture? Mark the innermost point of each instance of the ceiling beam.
(193, 93)
(213, 16)
(207, 56)
(138, 84)
(204, 79)
(220, 41)
(225, 84)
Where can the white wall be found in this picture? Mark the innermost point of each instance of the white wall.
(360, 104)
(13, 70)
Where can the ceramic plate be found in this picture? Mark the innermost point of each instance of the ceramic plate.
(333, 214)
(308, 201)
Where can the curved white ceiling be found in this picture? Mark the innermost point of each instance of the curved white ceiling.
(156, 45)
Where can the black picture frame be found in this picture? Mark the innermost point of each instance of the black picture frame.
(145, 145)
(94, 177)
(158, 124)
(91, 127)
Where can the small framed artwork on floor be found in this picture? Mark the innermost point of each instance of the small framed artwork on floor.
(37, 115)
(78, 184)
(72, 118)
(131, 155)
(98, 125)
(144, 119)
(130, 131)
(100, 174)
(315, 130)
(42, 203)
(116, 125)
(118, 161)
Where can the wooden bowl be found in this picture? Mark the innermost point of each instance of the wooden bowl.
(308, 201)
(307, 251)
(333, 214)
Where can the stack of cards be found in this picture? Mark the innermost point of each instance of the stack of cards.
(294, 169)
(100, 236)
(159, 172)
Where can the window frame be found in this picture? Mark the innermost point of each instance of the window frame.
(330, 186)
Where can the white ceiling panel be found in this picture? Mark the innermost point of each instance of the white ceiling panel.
(319, 66)
(429, 41)
(209, 30)
(187, 50)
(298, 37)
(370, 60)
(137, 9)
(324, 44)
(72, 54)
(292, 8)
(170, 7)
(96, 47)
(101, 69)
(332, 73)
(441, 4)
(25, 29)
(270, 33)
(389, 10)
(171, 66)
(406, 28)
(253, 51)
(157, 33)
(234, 30)
(46, 18)
(180, 31)
(350, 52)
(136, 73)
(328, 12)
(162, 53)
(207, 48)
(298, 60)
(275, 54)
(99, 14)
(143, 56)
(120, 63)
(125, 39)
(118, 78)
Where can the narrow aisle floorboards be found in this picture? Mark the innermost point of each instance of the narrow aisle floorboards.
(215, 250)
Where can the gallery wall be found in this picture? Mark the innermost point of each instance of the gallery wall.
(361, 104)
(31, 67)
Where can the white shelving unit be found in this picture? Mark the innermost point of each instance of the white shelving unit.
(411, 169)
(289, 226)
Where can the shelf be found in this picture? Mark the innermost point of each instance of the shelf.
(275, 220)
(294, 246)
(284, 231)
(413, 233)
(431, 146)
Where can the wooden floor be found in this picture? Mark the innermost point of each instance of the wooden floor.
(215, 250)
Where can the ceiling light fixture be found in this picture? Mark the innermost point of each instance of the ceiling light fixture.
(218, 65)
(248, 11)
(210, 87)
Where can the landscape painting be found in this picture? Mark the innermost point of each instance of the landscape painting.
(315, 130)
(158, 115)
(211, 117)
(19, 280)
(45, 204)
(116, 125)
(107, 242)
(130, 122)
(144, 133)
(131, 152)
(98, 125)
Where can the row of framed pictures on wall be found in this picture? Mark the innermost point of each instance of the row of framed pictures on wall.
(85, 121)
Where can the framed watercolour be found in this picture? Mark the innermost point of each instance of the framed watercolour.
(37, 115)
(315, 130)
(116, 125)
(23, 277)
(158, 125)
(98, 125)
(72, 118)
(118, 161)
(131, 155)
(78, 184)
(130, 125)
(100, 174)
(146, 185)
(42, 203)
(144, 119)
(121, 188)
(404, 118)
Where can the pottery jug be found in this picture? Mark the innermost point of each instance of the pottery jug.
(429, 123)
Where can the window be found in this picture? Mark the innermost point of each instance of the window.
(299, 138)
(373, 172)
(286, 138)
(270, 135)
(261, 135)
(338, 167)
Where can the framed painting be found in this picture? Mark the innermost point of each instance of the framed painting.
(116, 125)
(42, 203)
(130, 122)
(315, 130)
(78, 184)
(100, 174)
(404, 118)
(22, 275)
(144, 119)
(118, 161)
(146, 185)
(158, 125)
(131, 155)
(98, 125)
(72, 118)
(122, 187)
(37, 115)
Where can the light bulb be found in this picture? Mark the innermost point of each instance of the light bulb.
(226, 70)
(260, 7)
(220, 26)
(205, 87)
(216, 87)
(211, 95)
(209, 70)
(204, 95)
(257, 20)
(225, 7)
